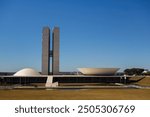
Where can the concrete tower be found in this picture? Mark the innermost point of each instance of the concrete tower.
(47, 53)
(55, 58)
(45, 50)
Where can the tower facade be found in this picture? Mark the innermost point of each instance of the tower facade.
(48, 54)
(55, 57)
(45, 51)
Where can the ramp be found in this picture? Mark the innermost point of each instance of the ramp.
(49, 82)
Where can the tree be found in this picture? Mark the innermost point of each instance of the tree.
(134, 71)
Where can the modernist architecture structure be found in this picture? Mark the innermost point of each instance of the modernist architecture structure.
(50, 73)
(50, 52)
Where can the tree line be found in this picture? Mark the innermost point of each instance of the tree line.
(136, 71)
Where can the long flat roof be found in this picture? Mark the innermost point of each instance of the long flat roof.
(68, 76)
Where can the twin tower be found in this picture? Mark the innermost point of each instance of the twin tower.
(50, 51)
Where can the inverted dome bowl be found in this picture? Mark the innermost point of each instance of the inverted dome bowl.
(98, 71)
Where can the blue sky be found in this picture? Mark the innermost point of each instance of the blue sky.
(93, 33)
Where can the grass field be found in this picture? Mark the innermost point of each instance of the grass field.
(145, 81)
(89, 94)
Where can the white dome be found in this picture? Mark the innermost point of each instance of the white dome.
(27, 72)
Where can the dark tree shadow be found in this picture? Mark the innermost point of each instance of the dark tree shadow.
(133, 81)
